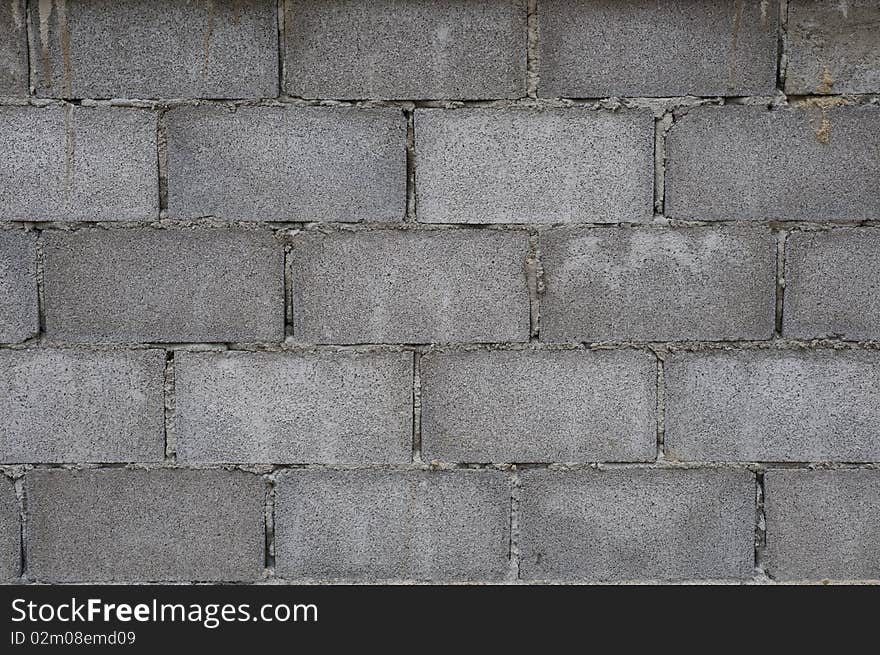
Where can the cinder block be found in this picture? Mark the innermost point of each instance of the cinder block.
(332, 408)
(539, 406)
(748, 163)
(176, 285)
(13, 49)
(81, 406)
(159, 49)
(19, 319)
(119, 525)
(773, 406)
(287, 164)
(405, 49)
(78, 163)
(10, 532)
(526, 166)
(387, 525)
(658, 284)
(415, 286)
(631, 524)
(831, 284)
(645, 48)
(823, 524)
(832, 47)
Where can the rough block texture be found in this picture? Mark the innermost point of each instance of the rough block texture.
(117, 525)
(295, 164)
(13, 49)
(748, 163)
(658, 284)
(333, 408)
(823, 524)
(607, 48)
(410, 287)
(831, 284)
(776, 406)
(19, 318)
(163, 286)
(78, 163)
(80, 406)
(385, 525)
(538, 406)
(515, 166)
(636, 524)
(832, 47)
(405, 49)
(10, 532)
(162, 48)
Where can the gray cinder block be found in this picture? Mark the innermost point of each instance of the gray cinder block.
(19, 319)
(405, 49)
(635, 524)
(333, 408)
(526, 166)
(10, 532)
(644, 48)
(13, 49)
(287, 164)
(175, 285)
(118, 525)
(748, 163)
(78, 163)
(773, 406)
(832, 47)
(157, 49)
(386, 525)
(831, 284)
(650, 284)
(538, 406)
(415, 286)
(823, 524)
(81, 406)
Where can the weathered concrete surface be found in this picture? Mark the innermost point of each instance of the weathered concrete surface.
(524, 166)
(677, 284)
(78, 164)
(773, 406)
(157, 49)
(164, 285)
(81, 406)
(832, 47)
(831, 284)
(823, 524)
(117, 525)
(385, 525)
(410, 287)
(410, 49)
(538, 406)
(13, 49)
(642, 48)
(10, 533)
(748, 163)
(291, 164)
(19, 319)
(635, 524)
(331, 408)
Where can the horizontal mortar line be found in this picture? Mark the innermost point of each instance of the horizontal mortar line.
(283, 228)
(777, 100)
(782, 344)
(280, 581)
(269, 469)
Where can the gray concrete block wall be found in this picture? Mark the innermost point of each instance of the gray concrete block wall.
(507, 291)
